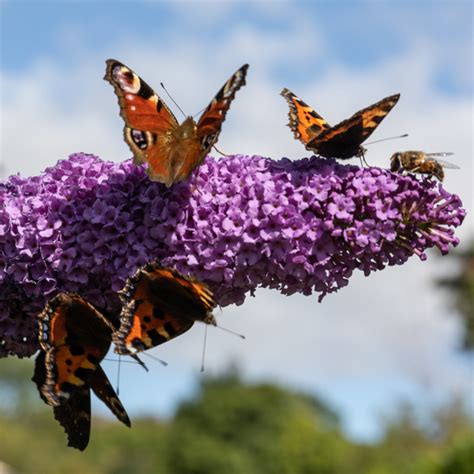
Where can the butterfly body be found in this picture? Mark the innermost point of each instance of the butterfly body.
(74, 338)
(343, 140)
(342, 146)
(171, 150)
(160, 304)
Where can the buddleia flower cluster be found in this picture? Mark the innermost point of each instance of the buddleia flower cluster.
(239, 223)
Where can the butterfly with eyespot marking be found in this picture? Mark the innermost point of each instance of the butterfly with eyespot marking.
(74, 338)
(159, 304)
(171, 150)
(342, 141)
(420, 162)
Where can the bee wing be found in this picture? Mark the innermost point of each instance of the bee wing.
(444, 164)
(440, 153)
(447, 164)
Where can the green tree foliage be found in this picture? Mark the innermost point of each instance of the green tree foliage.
(460, 460)
(262, 428)
(230, 427)
(417, 442)
(461, 286)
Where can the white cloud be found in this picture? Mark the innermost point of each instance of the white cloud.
(379, 338)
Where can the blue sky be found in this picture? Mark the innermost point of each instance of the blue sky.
(355, 33)
(356, 349)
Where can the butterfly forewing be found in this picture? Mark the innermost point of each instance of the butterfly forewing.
(102, 387)
(75, 338)
(160, 304)
(304, 122)
(210, 122)
(344, 139)
(140, 106)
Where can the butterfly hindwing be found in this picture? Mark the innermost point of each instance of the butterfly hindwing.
(73, 413)
(160, 304)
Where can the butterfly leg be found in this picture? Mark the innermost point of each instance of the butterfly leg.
(220, 152)
(363, 161)
(134, 356)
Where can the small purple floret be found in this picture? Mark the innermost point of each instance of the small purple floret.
(240, 222)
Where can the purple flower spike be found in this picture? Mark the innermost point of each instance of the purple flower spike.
(239, 223)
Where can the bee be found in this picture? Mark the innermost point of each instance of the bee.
(420, 162)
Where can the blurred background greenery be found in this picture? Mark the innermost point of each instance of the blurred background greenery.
(235, 427)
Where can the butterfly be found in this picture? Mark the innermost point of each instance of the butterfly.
(159, 304)
(344, 140)
(152, 132)
(74, 338)
(420, 162)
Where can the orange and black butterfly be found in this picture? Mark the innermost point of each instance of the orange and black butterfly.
(152, 132)
(159, 304)
(74, 338)
(342, 141)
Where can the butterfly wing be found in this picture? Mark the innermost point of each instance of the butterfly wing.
(149, 123)
(75, 417)
(210, 122)
(344, 139)
(304, 122)
(193, 140)
(39, 374)
(102, 387)
(160, 304)
(75, 338)
(140, 106)
(74, 413)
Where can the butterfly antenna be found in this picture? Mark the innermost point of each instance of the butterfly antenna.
(174, 102)
(220, 152)
(388, 138)
(204, 349)
(231, 332)
(198, 113)
(122, 361)
(118, 375)
(162, 362)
